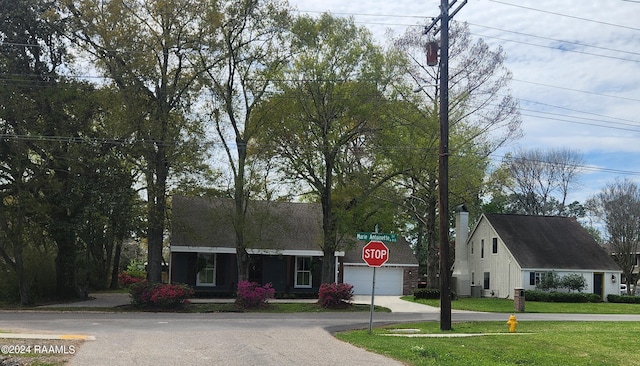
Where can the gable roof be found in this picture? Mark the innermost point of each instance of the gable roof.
(550, 242)
(208, 222)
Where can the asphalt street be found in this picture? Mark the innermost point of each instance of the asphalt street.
(235, 338)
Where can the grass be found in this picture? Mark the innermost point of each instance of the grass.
(495, 305)
(535, 343)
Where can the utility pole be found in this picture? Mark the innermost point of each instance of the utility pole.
(443, 162)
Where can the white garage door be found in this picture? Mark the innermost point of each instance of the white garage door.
(388, 280)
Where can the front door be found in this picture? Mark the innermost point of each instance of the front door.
(597, 284)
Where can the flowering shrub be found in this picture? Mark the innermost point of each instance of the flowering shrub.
(145, 294)
(335, 295)
(125, 279)
(252, 295)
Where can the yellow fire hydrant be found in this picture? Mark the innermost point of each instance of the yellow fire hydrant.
(512, 323)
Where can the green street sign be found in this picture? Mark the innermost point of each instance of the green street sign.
(365, 236)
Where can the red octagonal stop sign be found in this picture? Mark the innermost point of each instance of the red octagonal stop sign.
(375, 253)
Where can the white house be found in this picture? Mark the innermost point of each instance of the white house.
(505, 252)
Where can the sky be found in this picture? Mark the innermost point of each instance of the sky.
(575, 66)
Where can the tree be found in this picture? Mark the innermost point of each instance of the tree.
(574, 282)
(618, 206)
(537, 182)
(148, 50)
(483, 117)
(330, 104)
(31, 55)
(248, 51)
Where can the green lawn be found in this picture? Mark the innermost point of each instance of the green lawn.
(506, 306)
(535, 343)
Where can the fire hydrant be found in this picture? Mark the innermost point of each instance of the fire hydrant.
(512, 323)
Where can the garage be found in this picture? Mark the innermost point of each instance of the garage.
(388, 280)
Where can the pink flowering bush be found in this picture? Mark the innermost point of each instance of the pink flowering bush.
(335, 295)
(252, 295)
(158, 295)
(126, 279)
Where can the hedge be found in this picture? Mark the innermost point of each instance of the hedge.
(624, 299)
(429, 293)
(570, 297)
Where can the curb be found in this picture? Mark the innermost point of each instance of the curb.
(47, 336)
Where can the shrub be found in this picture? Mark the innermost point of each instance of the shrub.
(568, 297)
(252, 295)
(158, 295)
(126, 279)
(426, 293)
(429, 293)
(623, 299)
(335, 295)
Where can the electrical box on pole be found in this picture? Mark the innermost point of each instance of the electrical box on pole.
(432, 53)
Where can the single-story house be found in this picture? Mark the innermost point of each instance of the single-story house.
(283, 240)
(504, 252)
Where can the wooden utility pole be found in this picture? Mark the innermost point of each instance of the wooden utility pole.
(443, 163)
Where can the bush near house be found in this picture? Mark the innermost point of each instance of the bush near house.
(126, 280)
(252, 295)
(335, 295)
(429, 293)
(623, 299)
(571, 297)
(159, 295)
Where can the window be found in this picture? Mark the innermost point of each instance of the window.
(206, 269)
(482, 248)
(487, 281)
(472, 247)
(535, 278)
(303, 272)
(495, 246)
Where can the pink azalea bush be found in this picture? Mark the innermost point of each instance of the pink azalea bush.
(126, 279)
(335, 295)
(252, 295)
(159, 295)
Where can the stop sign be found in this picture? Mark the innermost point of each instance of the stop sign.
(375, 253)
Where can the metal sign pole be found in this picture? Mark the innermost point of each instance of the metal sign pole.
(373, 292)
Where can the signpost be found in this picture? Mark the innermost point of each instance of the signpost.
(374, 254)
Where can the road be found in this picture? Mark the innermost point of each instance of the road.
(231, 338)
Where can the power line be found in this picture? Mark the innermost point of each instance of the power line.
(566, 15)
(554, 39)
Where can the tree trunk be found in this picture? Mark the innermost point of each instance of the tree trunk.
(156, 188)
(116, 265)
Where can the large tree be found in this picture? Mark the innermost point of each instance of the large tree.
(331, 102)
(482, 118)
(538, 182)
(35, 101)
(147, 49)
(618, 206)
(249, 52)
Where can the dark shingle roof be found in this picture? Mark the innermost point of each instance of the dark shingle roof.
(205, 222)
(550, 242)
